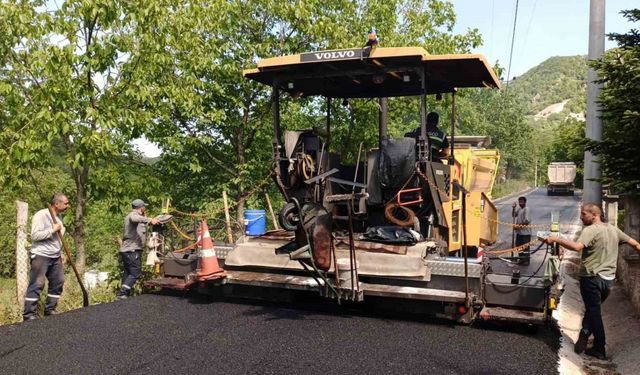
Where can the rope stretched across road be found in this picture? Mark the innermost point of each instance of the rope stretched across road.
(516, 249)
(191, 214)
(516, 226)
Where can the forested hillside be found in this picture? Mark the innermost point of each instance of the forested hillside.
(554, 80)
(553, 95)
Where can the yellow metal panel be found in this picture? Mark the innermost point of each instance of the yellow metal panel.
(479, 168)
(489, 231)
(494, 82)
(481, 213)
(482, 227)
(452, 211)
(250, 71)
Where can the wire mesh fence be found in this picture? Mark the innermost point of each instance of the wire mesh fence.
(22, 256)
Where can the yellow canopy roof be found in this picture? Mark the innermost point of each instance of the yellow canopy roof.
(380, 72)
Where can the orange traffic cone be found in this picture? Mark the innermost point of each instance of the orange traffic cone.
(209, 267)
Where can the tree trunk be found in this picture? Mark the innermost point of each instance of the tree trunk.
(78, 220)
(78, 237)
(240, 211)
(241, 197)
(509, 170)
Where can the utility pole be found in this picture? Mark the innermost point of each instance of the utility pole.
(593, 189)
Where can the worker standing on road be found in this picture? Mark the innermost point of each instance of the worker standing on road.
(598, 243)
(46, 261)
(523, 231)
(437, 138)
(133, 239)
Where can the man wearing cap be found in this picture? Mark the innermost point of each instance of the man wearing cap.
(133, 238)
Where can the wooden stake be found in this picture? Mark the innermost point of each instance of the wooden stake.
(85, 294)
(227, 220)
(273, 217)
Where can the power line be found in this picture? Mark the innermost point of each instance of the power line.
(493, 6)
(513, 38)
(526, 34)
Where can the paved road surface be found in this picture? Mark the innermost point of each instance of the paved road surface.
(541, 207)
(156, 334)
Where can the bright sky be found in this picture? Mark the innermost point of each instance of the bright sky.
(545, 28)
(147, 148)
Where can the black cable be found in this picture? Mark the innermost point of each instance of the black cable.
(526, 34)
(529, 278)
(513, 37)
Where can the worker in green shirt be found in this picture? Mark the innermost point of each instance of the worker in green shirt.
(598, 244)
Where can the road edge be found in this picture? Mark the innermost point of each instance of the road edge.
(621, 326)
(568, 315)
(524, 192)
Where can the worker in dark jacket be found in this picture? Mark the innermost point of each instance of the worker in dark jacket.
(46, 261)
(133, 239)
(437, 138)
(598, 244)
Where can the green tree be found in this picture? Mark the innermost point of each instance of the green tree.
(620, 110)
(79, 82)
(70, 85)
(500, 115)
(224, 141)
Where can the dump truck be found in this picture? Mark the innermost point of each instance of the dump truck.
(561, 176)
(395, 226)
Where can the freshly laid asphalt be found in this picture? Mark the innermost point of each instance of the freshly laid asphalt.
(167, 334)
(163, 334)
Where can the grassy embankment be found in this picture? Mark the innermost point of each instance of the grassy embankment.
(71, 299)
(9, 310)
(508, 187)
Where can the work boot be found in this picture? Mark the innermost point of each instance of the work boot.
(30, 317)
(581, 344)
(123, 293)
(593, 352)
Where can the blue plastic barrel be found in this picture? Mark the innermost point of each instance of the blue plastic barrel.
(255, 222)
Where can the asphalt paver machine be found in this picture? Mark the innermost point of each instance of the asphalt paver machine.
(399, 225)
